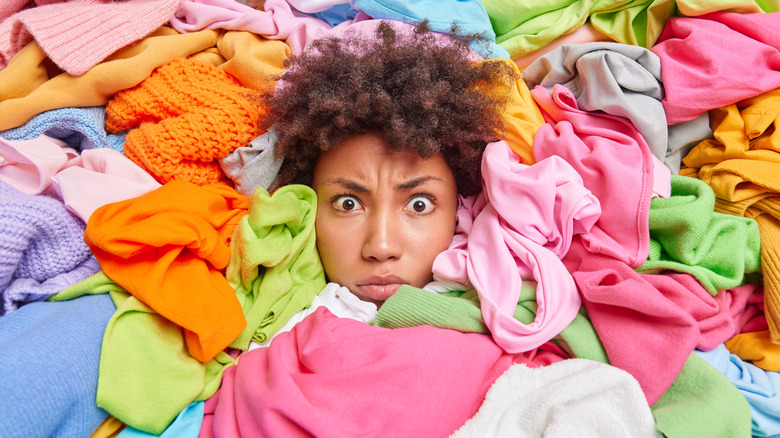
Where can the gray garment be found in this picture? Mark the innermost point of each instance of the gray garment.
(254, 165)
(618, 79)
(683, 137)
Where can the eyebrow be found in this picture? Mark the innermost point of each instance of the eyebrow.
(351, 185)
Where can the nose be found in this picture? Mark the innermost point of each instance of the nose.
(383, 237)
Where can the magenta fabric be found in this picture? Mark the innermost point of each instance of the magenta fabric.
(615, 164)
(754, 319)
(650, 324)
(516, 230)
(336, 377)
(717, 59)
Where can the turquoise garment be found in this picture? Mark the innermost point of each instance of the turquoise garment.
(274, 265)
(469, 15)
(687, 235)
(186, 425)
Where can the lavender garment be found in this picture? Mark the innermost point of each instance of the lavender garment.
(42, 250)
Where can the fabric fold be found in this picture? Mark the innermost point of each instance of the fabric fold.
(168, 248)
(516, 230)
(274, 265)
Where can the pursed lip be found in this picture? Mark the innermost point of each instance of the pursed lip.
(380, 288)
(381, 280)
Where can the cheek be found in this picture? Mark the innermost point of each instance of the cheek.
(333, 248)
(424, 246)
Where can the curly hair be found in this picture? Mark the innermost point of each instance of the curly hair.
(419, 90)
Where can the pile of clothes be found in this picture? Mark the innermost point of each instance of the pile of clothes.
(619, 275)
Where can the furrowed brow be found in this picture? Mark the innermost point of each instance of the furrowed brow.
(417, 182)
(347, 184)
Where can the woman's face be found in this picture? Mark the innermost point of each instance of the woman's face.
(382, 215)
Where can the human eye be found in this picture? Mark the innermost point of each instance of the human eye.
(421, 204)
(346, 203)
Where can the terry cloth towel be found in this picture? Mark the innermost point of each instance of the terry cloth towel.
(570, 398)
(78, 34)
(184, 117)
(79, 128)
(49, 366)
(41, 248)
(274, 266)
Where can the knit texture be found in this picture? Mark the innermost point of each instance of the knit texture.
(78, 34)
(41, 248)
(687, 235)
(184, 117)
(80, 128)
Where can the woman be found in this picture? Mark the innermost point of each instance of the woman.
(387, 123)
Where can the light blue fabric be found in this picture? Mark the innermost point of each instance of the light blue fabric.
(80, 128)
(470, 16)
(186, 425)
(760, 388)
(337, 14)
(49, 367)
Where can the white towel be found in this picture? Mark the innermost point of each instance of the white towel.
(571, 398)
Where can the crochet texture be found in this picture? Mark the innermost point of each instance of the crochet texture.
(184, 117)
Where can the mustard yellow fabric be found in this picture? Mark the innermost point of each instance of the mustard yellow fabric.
(757, 348)
(522, 117)
(32, 84)
(742, 165)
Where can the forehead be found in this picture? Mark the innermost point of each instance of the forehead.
(369, 158)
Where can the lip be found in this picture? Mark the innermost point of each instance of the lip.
(380, 288)
(381, 280)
